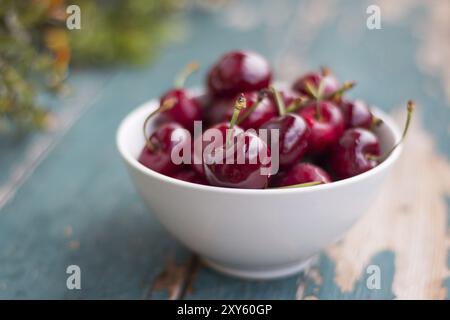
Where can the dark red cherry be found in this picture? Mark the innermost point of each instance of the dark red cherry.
(326, 124)
(244, 164)
(217, 108)
(356, 114)
(260, 109)
(187, 108)
(356, 152)
(207, 139)
(242, 161)
(309, 83)
(189, 176)
(293, 134)
(157, 153)
(303, 173)
(238, 71)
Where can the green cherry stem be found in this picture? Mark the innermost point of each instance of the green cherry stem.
(301, 185)
(319, 98)
(166, 105)
(376, 122)
(332, 96)
(279, 101)
(326, 71)
(261, 95)
(297, 104)
(339, 92)
(312, 90)
(410, 109)
(240, 104)
(181, 78)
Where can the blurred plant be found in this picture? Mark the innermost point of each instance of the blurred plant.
(36, 48)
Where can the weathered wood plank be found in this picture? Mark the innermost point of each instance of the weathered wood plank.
(411, 213)
(78, 206)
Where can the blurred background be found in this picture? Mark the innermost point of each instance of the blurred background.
(64, 195)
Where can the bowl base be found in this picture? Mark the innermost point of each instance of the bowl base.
(260, 274)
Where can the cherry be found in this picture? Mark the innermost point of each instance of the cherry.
(156, 155)
(326, 124)
(358, 150)
(309, 83)
(238, 71)
(187, 108)
(260, 109)
(200, 144)
(354, 153)
(157, 152)
(243, 161)
(217, 108)
(357, 114)
(303, 173)
(293, 134)
(190, 176)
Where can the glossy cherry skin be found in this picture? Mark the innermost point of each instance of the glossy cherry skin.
(222, 168)
(330, 83)
(160, 159)
(186, 110)
(190, 176)
(216, 109)
(326, 130)
(351, 155)
(238, 71)
(197, 151)
(265, 111)
(293, 136)
(356, 114)
(303, 173)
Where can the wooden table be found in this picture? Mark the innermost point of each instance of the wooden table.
(65, 197)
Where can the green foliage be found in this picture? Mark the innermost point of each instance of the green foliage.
(36, 48)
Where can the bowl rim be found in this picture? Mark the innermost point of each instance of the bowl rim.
(151, 104)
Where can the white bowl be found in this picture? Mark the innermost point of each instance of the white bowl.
(258, 234)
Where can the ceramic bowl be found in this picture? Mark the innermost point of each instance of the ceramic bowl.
(257, 234)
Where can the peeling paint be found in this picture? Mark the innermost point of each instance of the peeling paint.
(409, 218)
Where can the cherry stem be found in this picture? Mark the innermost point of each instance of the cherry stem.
(319, 98)
(297, 103)
(325, 71)
(345, 87)
(240, 104)
(166, 105)
(376, 122)
(312, 90)
(410, 109)
(301, 185)
(339, 92)
(261, 95)
(279, 101)
(181, 78)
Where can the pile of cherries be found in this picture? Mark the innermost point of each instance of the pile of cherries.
(322, 136)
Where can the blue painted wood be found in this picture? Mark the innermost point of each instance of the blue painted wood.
(211, 285)
(83, 186)
(78, 207)
(328, 289)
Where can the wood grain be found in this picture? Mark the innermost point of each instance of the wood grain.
(410, 218)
